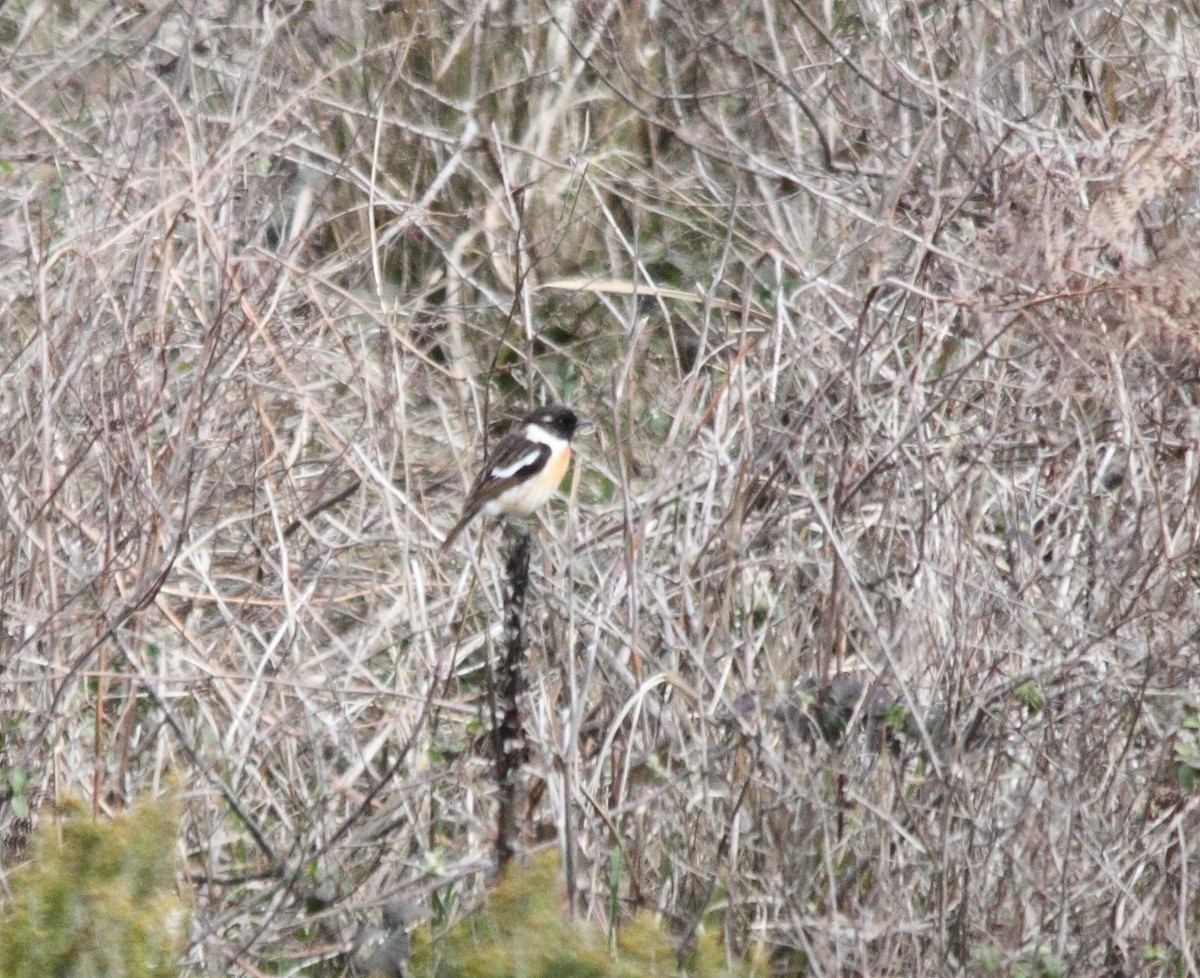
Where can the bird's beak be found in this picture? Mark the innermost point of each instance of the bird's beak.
(584, 426)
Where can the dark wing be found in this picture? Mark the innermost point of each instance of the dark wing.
(514, 459)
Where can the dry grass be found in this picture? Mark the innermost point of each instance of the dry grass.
(915, 397)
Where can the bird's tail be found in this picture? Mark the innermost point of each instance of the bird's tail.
(458, 528)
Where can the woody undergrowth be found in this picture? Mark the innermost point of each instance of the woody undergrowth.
(98, 900)
(274, 274)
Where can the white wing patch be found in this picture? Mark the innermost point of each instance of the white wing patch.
(504, 471)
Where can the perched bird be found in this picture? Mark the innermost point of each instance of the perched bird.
(524, 469)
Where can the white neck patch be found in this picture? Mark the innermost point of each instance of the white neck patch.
(535, 432)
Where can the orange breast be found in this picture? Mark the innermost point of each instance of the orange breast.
(556, 468)
(530, 495)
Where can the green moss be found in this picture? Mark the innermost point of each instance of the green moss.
(643, 942)
(523, 931)
(97, 899)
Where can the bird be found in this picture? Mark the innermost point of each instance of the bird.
(524, 469)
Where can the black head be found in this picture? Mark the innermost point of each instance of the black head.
(555, 418)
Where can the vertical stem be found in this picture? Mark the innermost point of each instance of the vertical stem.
(510, 747)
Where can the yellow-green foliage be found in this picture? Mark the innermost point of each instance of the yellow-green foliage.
(97, 900)
(522, 931)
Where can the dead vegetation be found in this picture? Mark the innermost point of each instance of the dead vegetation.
(888, 314)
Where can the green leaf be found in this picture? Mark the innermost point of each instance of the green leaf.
(1029, 695)
(17, 780)
(1188, 776)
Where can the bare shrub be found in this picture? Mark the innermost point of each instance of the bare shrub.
(887, 312)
